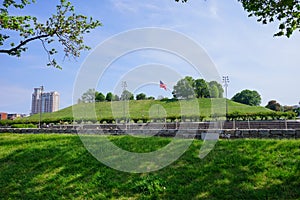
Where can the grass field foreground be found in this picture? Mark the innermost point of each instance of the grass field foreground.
(59, 167)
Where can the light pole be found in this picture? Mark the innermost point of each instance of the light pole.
(41, 96)
(225, 82)
(124, 85)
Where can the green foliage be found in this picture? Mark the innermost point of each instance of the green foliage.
(116, 98)
(286, 12)
(248, 97)
(149, 186)
(188, 88)
(109, 97)
(214, 92)
(219, 89)
(139, 111)
(91, 95)
(88, 96)
(297, 111)
(261, 115)
(201, 88)
(140, 96)
(99, 97)
(23, 126)
(273, 105)
(126, 95)
(184, 88)
(151, 98)
(53, 166)
(65, 27)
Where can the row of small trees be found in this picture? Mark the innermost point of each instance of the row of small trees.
(172, 118)
(261, 116)
(184, 89)
(91, 95)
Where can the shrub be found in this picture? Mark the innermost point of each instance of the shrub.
(24, 126)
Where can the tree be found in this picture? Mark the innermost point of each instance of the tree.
(184, 88)
(201, 88)
(213, 92)
(288, 108)
(273, 105)
(126, 95)
(109, 97)
(140, 96)
(248, 97)
(88, 96)
(151, 98)
(99, 97)
(284, 12)
(65, 27)
(212, 84)
(116, 98)
(297, 111)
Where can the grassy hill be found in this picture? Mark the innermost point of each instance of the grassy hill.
(59, 167)
(154, 108)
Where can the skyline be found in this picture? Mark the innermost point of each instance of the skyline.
(240, 48)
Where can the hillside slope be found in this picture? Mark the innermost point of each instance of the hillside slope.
(151, 108)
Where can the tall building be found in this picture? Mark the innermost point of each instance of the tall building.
(44, 101)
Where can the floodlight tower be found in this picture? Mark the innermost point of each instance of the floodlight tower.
(225, 82)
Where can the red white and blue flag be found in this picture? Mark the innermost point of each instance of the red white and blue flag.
(162, 85)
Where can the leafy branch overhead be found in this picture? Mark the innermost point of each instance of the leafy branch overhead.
(286, 12)
(65, 27)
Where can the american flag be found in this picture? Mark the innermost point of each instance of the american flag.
(162, 85)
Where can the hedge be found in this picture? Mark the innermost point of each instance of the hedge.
(272, 115)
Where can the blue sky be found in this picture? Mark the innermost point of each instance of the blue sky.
(239, 47)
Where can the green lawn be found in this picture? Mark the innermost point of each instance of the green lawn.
(59, 167)
(138, 109)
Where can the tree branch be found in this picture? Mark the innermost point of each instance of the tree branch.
(13, 50)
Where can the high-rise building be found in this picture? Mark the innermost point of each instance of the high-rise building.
(44, 101)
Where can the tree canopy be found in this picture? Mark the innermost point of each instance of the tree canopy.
(184, 88)
(126, 95)
(188, 87)
(89, 96)
(141, 96)
(109, 97)
(286, 12)
(248, 97)
(99, 97)
(65, 27)
(273, 105)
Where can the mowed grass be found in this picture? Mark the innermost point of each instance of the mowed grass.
(59, 167)
(151, 108)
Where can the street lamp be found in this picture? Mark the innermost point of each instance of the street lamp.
(225, 82)
(41, 96)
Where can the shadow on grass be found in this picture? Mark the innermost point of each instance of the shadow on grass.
(54, 167)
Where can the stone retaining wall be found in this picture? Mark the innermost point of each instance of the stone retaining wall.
(188, 133)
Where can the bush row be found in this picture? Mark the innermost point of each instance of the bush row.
(261, 116)
(174, 118)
